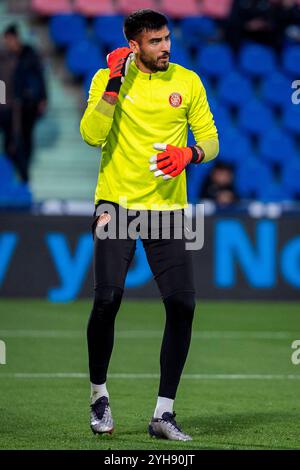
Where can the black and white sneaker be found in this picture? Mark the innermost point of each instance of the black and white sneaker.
(167, 428)
(101, 417)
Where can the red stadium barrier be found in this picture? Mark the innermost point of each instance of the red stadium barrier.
(125, 7)
(179, 9)
(94, 7)
(51, 8)
(216, 8)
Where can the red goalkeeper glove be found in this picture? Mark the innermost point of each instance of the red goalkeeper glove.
(173, 160)
(118, 62)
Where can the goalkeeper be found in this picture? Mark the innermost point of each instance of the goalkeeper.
(142, 105)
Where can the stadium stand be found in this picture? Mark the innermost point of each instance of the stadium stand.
(291, 61)
(249, 94)
(178, 9)
(126, 7)
(218, 9)
(53, 7)
(94, 7)
(291, 119)
(251, 174)
(214, 60)
(66, 29)
(82, 57)
(108, 31)
(276, 146)
(276, 89)
(291, 177)
(12, 193)
(255, 118)
(234, 146)
(242, 86)
(257, 60)
(197, 29)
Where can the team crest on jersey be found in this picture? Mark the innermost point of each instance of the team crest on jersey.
(175, 100)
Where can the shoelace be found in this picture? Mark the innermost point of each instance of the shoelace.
(171, 420)
(101, 410)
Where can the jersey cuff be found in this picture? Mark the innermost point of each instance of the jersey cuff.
(105, 108)
(210, 148)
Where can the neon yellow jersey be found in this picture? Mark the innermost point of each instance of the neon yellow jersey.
(151, 108)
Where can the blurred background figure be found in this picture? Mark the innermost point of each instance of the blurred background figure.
(218, 186)
(26, 99)
(263, 21)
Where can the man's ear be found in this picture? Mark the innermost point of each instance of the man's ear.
(134, 46)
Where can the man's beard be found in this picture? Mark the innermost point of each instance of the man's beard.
(154, 65)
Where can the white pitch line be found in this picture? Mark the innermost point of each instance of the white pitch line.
(209, 334)
(79, 375)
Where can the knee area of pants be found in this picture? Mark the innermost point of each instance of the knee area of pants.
(107, 301)
(180, 306)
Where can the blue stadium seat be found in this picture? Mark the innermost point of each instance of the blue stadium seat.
(87, 82)
(191, 138)
(109, 31)
(12, 193)
(83, 57)
(274, 192)
(196, 175)
(215, 60)
(276, 146)
(235, 90)
(221, 115)
(180, 54)
(250, 176)
(276, 89)
(235, 147)
(291, 176)
(257, 60)
(6, 174)
(67, 29)
(291, 118)
(197, 29)
(21, 195)
(208, 87)
(291, 61)
(255, 118)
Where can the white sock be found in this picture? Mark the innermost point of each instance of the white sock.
(98, 391)
(163, 404)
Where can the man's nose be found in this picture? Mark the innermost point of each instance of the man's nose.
(165, 50)
(166, 45)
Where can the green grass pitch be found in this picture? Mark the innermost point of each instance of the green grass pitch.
(239, 390)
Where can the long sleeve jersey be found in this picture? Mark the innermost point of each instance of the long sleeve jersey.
(151, 108)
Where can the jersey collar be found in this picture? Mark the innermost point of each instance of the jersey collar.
(146, 76)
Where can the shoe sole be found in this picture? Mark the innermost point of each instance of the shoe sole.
(155, 435)
(103, 432)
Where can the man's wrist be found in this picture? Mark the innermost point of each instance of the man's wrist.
(114, 85)
(110, 97)
(197, 154)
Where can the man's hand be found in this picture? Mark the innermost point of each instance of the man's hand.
(118, 62)
(173, 160)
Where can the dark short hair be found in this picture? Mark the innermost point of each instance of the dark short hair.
(222, 166)
(12, 29)
(143, 20)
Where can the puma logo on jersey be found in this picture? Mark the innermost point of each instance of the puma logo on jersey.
(128, 98)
